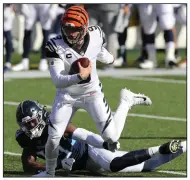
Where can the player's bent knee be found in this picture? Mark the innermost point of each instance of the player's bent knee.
(108, 131)
(110, 137)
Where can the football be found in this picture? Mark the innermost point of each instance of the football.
(75, 68)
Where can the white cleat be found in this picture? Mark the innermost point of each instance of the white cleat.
(43, 65)
(22, 66)
(43, 174)
(147, 64)
(118, 62)
(134, 99)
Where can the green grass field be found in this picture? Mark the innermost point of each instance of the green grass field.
(132, 55)
(169, 102)
(139, 132)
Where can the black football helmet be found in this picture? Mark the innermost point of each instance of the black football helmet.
(30, 118)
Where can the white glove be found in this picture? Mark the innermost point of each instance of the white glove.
(67, 163)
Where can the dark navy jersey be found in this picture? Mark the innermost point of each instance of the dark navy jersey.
(79, 150)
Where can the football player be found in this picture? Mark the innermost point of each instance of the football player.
(180, 11)
(121, 27)
(45, 13)
(148, 17)
(7, 32)
(33, 120)
(83, 89)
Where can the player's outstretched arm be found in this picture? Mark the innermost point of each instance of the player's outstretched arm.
(29, 162)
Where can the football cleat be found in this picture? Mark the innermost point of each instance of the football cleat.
(22, 66)
(118, 62)
(43, 65)
(170, 147)
(147, 64)
(134, 99)
(43, 174)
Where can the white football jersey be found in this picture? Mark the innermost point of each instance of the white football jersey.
(61, 56)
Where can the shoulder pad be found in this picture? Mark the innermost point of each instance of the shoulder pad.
(99, 31)
(51, 48)
(22, 139)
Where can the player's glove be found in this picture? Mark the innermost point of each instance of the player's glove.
(67, 163)
(111, 146)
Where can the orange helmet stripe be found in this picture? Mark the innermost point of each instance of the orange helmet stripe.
(76, 15)
(80, 10)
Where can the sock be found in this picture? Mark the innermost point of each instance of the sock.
(129, 159)
(168, 36)
(153, 150)
(51, 165)
(151, 50)
(122, 53)
(170, 50)
(120, 117)
(51, 154)
(26, 43)
(8, 45)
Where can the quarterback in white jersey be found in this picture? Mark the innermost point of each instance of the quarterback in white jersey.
(81, 90)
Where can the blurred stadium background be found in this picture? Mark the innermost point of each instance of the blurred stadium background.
(145, 126)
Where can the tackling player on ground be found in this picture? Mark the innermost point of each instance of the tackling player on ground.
(33, 120)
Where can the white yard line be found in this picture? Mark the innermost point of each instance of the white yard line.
(130, 74)
(158, 117)
(130, 114)
(12, 154)
(172, 81)
(173, 172)
(160, 171)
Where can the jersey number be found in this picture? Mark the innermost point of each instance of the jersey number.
(92, 28)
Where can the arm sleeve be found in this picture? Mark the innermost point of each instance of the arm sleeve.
(105, 57)
(88, 137)
(56, 68)
(29, 162)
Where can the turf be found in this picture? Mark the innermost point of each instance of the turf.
(132, 55)
(169, 100)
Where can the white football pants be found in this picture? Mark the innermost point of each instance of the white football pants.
(35, 12)
(8, 18)
(109, 126)
(148, 16)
